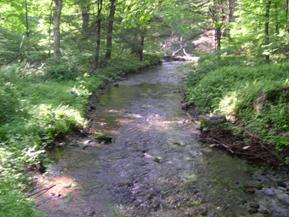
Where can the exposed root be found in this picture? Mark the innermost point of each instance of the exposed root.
(254, 150)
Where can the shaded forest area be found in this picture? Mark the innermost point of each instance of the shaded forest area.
(55, 53)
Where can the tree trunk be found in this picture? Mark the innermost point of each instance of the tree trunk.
(98, 34)
(229, 18)
(266, 28)
(85, 18)
(50, 25)
(287, 13)
(276, 18)
(141, 54)
(110, 30)
(26, 19)
(218, 37)
(56, 31)
(217, 14)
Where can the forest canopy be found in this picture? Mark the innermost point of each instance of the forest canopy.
(33, 30)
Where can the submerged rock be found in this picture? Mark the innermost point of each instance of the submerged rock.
(281, 184)
(89, 212)
(264, 210)
(254, 205)
(284, 198)
(269, 191)
(154, 158)
(91, 108)
(102, 138)
(250, 189)
(252, 210)
(202, 211)
(187, 105)
(179, 143)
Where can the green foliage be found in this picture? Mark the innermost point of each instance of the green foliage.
(208, 63)
(9, 102)
(247, 30)
(9, 46)
(12, 201)
(133, 65)
(255, 95)
(14, 204)
(61, 69)
(49, 109)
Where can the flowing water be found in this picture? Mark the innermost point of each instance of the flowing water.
(155, 165)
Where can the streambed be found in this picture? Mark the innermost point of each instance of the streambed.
(155, 164)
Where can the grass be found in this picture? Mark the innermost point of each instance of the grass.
(248, 93)
(34, 111)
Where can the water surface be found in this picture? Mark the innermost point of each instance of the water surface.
(155, 165)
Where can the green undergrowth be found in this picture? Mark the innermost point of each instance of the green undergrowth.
(34, 111)
(250, 94)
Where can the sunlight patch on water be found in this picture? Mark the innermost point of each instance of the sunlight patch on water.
(60, 186)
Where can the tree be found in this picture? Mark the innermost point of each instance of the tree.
(56, 32)
(138, 16)
(98, 33)
(218, 16)
(26, 19)
(266, 28)
(142, 41)
(286, 16)
(85, 15)
(110, 30)
(276, 17)
(230, 17)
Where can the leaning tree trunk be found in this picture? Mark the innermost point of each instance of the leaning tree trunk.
(110, 30)
(98, 34)
(266, 27)
(56, 31)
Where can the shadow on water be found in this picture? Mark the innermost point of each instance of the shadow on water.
(155, 165)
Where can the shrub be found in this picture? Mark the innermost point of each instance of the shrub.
(9, 103)
(14, 204)
(256, 95)
(61, 69)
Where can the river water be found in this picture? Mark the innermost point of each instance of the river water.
(155, 165)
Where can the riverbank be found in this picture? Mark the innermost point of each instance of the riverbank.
(36, 111)
(246, 103)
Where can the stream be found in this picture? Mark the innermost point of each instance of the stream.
(155, 165)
